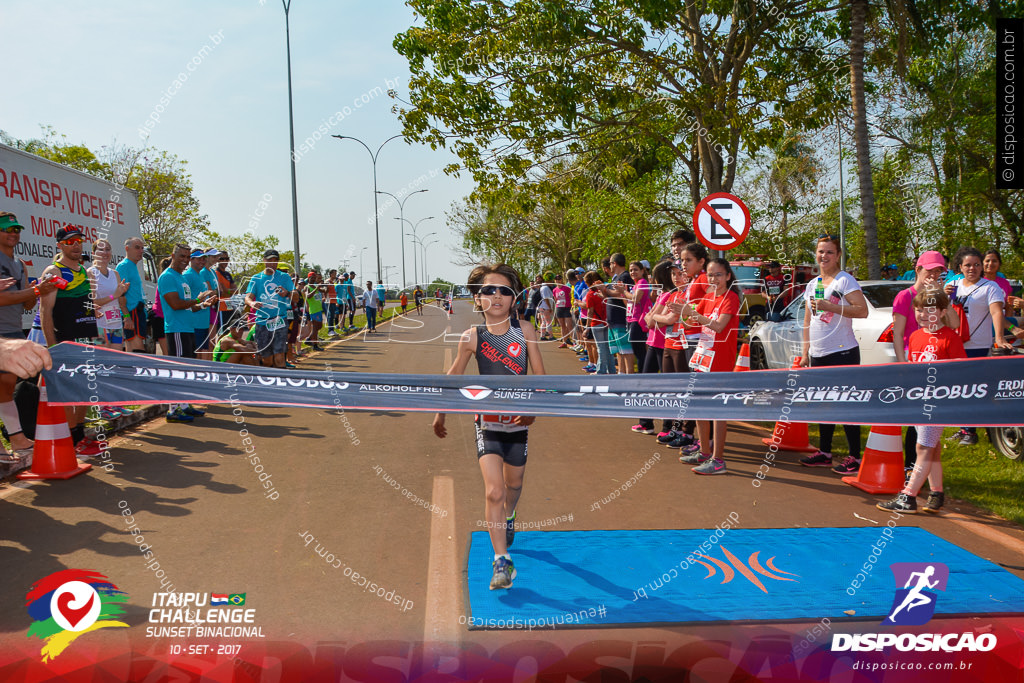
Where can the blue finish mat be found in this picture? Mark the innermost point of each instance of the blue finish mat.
(600, 578)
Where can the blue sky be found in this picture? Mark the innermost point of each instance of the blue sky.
(97, 72)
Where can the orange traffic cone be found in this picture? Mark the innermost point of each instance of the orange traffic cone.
(881, 468)
(791, 436)
(743, 360)
(54, 454)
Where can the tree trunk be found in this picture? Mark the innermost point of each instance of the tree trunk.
(858, 17)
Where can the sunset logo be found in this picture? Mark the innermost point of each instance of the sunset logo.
(70, 603)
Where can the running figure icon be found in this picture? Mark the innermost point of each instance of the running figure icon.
(915, 597)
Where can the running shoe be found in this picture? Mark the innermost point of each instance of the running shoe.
(640, 429)
(194, 412)
(691, 449)
(563, 345)
(683, 439)
(849, 466)
(87, 448)
(901, 503)
(712, 466)
(124, 410)
(108, 413)
(667, 437)
(968, 438)
(935, 501)
(697, 458)
(504, 573)
(179, 416)
(590, 369)
(819, 459)
(332, 333)
(510, 529)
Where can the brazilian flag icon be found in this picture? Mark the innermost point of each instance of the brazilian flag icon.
(236, 599)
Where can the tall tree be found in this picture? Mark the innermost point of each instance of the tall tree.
(858, 21)
(512, 84)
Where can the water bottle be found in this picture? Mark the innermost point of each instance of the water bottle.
(819, 292)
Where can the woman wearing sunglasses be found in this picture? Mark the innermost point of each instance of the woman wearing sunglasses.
(501, 347)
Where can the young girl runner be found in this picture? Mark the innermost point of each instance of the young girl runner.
(501, 347)
(718, 315)
(663, 289)
(934, 340)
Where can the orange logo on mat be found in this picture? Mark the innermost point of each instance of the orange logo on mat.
(728, 574)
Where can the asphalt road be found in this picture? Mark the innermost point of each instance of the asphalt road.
(212, 527)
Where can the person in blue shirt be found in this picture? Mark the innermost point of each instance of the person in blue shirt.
(382, 297)
(180, 305)
(210, 280)
(269, 295)
(136, 323)
(200, 319)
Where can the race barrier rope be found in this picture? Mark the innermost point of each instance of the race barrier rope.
(978, 392)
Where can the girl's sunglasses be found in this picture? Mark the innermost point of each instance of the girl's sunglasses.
(488, 290)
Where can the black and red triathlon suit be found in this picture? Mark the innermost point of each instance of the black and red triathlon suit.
(503, 354)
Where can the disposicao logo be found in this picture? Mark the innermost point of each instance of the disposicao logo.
(914, 605)
(70, 603)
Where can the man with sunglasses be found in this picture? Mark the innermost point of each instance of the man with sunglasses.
(67, 315)
(136, 323)
(15, 298)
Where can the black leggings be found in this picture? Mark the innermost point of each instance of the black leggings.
(677, 360)
(638, 341)
(651, 366)
(825, 431)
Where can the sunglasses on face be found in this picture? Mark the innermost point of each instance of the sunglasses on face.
(488, 290)
(12, 228)
(73, 240)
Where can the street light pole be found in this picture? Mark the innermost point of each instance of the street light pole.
(373, 158)
(401, 210)
(361, 272)
(291, 135)
(428, 244)
(414, 227)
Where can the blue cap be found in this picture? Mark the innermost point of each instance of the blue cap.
(197, 253)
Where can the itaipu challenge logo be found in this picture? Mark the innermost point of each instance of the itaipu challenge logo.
(71, 603)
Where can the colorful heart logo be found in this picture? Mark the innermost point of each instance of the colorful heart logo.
(72, 614)
(514, 349)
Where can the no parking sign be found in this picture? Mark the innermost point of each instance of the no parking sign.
(721, 221)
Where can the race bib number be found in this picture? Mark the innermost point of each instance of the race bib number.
(112, 315)
(275, 323)
(500, 423)
(702, 358)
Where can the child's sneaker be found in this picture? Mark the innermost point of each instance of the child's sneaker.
(504, 573)
(711, 466)
(666, 437)
(935, 501)
(901, 503)
(849, 466)
(640, 429)
(690, 449)
(819, 459)
(683, 439)
(697, 458)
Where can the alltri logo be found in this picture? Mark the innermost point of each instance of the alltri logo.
(70, 603)
(913, 605)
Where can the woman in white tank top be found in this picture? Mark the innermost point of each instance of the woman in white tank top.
(110, 302)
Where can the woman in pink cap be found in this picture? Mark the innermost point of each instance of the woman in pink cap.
(930, 273)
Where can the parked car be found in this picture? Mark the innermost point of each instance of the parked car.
(773, 345)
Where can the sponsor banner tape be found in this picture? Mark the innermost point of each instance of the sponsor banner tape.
(981, 392)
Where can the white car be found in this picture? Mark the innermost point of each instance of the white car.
(774, 344)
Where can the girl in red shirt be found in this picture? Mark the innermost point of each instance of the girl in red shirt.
(717, 313)
(932, 341)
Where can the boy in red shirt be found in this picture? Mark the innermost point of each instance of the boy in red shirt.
(931, 342)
